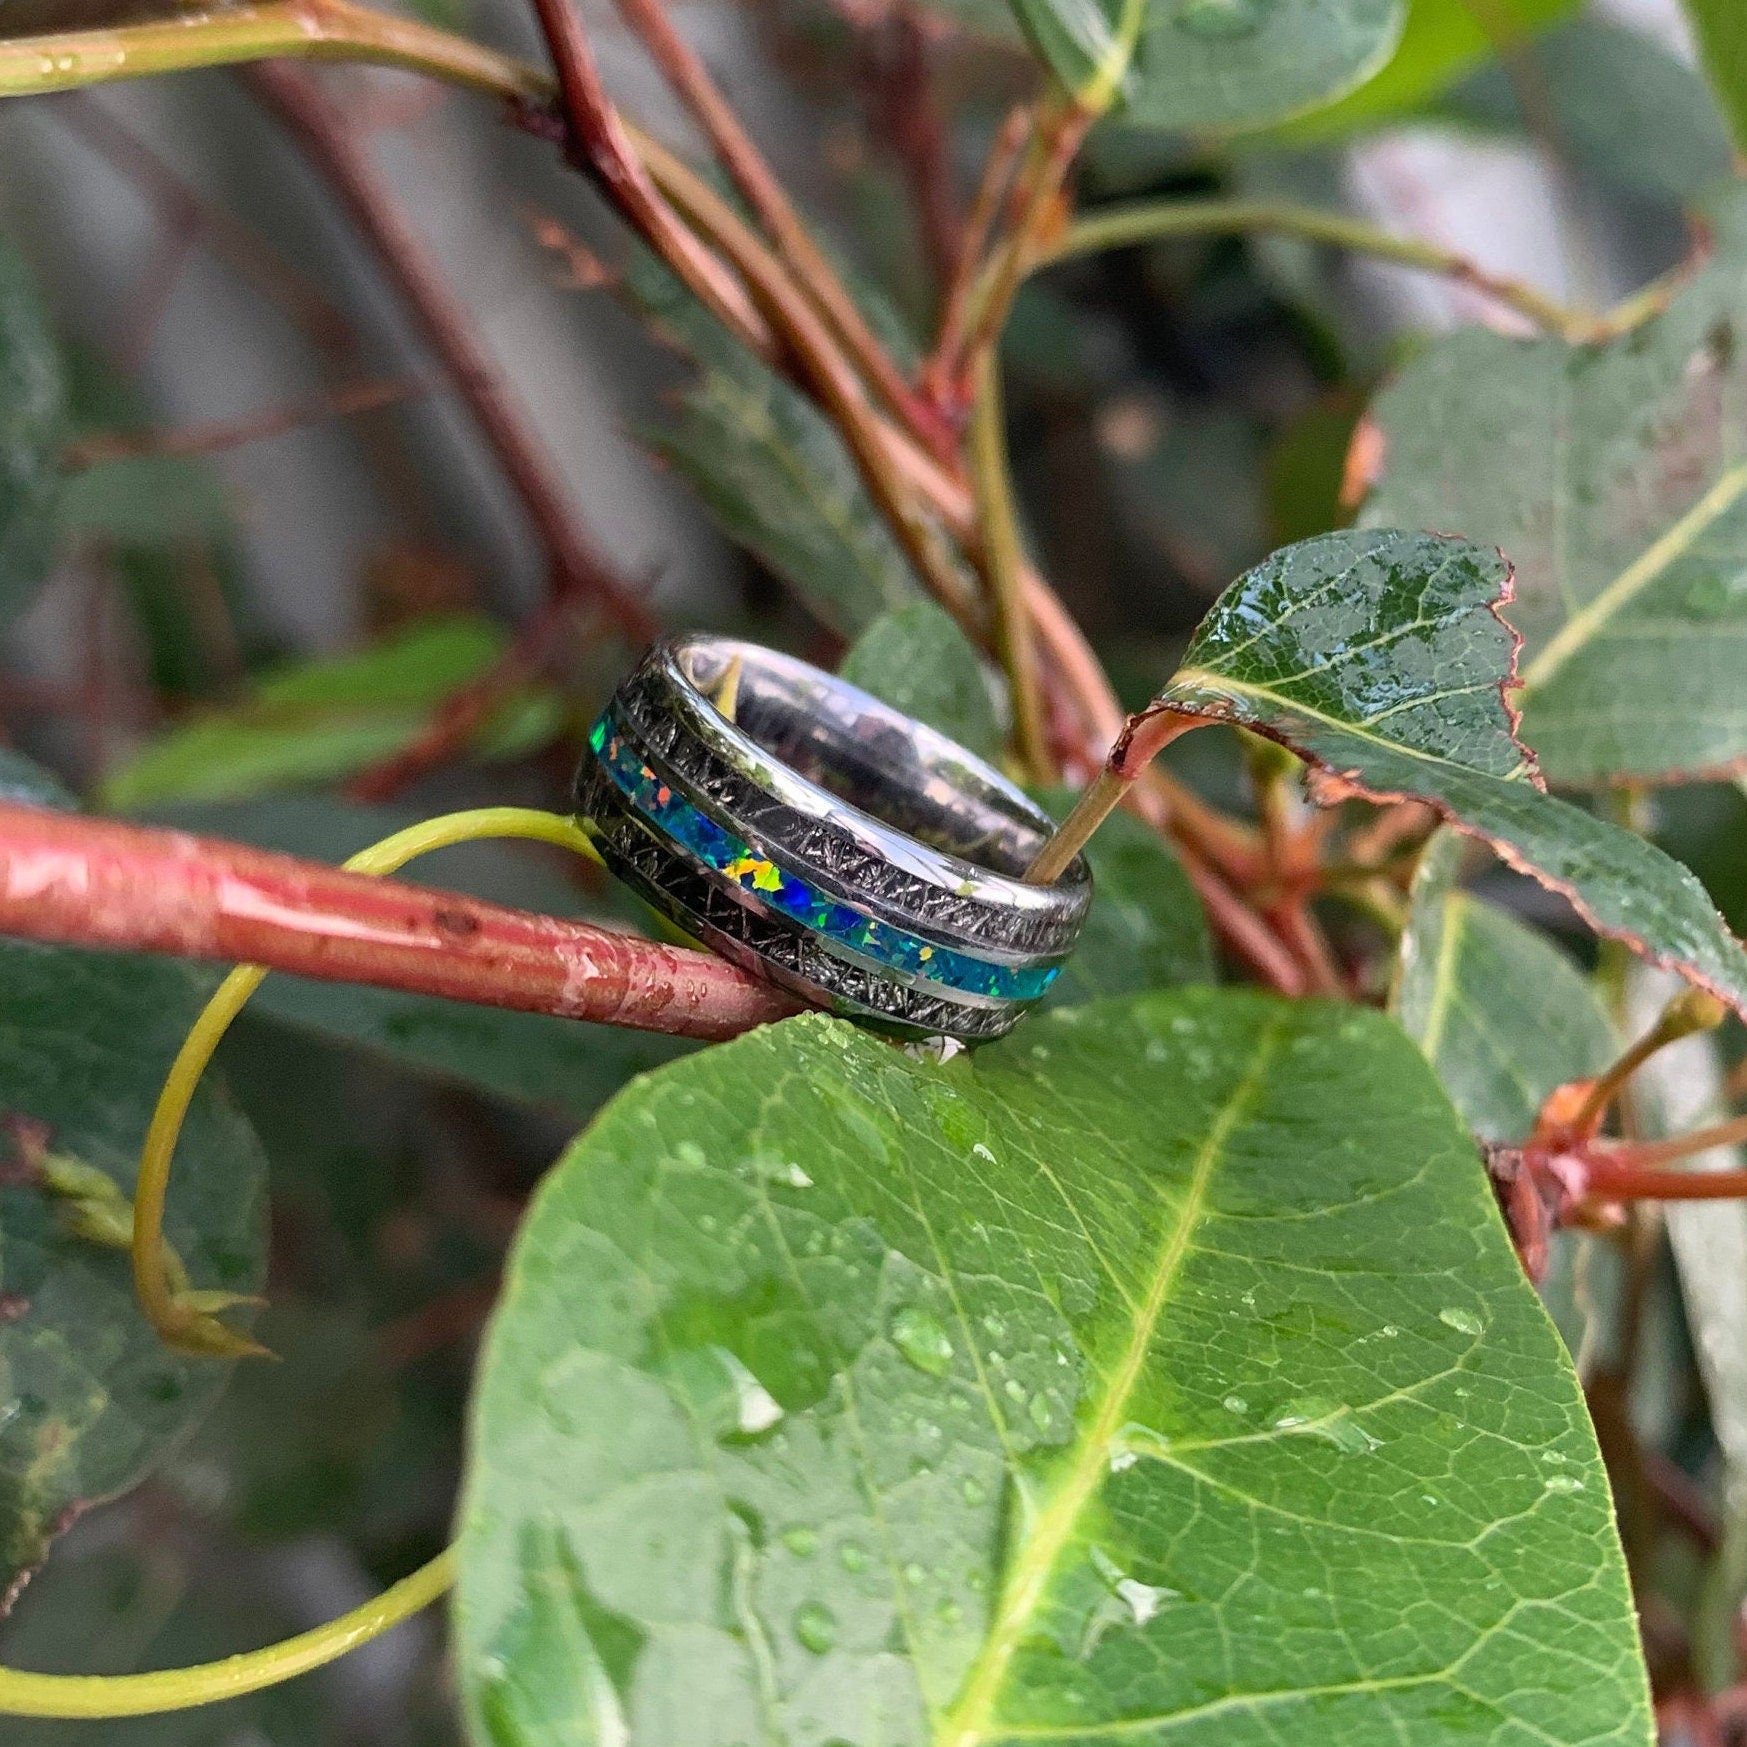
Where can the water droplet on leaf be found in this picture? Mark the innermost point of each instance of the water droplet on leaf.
(920, 1338)
(1463, 1322)
(852, 1556)
(816, 1627)
(803, 1543)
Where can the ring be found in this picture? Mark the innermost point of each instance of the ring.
(826, 841)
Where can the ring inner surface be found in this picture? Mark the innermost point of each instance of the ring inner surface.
(871, 756)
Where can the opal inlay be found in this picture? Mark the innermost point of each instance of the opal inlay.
(735, 859)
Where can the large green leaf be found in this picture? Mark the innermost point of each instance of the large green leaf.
(1500, 1011)
(1161, 1374)
(1627, 110)
(1379, 656)
(1443, 41)
(33, 432)
(1212, 64)
(333, 716)
(918, 661)
(1722, 36)
(1613, 477)
(93, 1399)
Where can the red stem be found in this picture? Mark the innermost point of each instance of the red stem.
(1611, 1182)
(91, 882)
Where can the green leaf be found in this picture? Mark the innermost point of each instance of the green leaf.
(1721, 26)
(33, 433)
(770, 468)
(146, 499)
(1163, 1373)
(328, 718)
(1628, 111)
(1146, 928)
(1213, 64)
(1443, 41)
(530, 1058)
(1612, 476)
(918, 661)
(1500, 1011)
(95, 1400)
(1380, 658)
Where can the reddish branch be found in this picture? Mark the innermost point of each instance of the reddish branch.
(89, 882)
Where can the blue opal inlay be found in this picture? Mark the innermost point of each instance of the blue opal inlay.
(727, 854)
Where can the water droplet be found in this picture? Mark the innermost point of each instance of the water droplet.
(1015, 1390)
(1143, 1599)
(997, 1329)
(949, 1613)
(1042, 1414)
(1389, 1331)
(1463, 1322)
(1235, 1404)
(1554, 1458)
(755, 1408)
(973, 1490)
(803, 1543)
(1122, 1459)
(1134, 1441)
(1562, 1483)
(690, 1154)
(816, 1627)
(920, 1338)
(983, 1153)
(915, 1576)
(1331, 1422)
(852, 1556)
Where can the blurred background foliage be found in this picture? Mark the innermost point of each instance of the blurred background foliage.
(278, 546)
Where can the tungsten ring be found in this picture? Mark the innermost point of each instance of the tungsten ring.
(826, 841)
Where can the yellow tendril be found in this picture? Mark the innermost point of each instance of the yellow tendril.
(180, 1689)
(185, 1319)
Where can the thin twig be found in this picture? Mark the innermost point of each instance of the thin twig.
(1146, 221)
(812, 273)
(91, 882)
(908, 115)
(1005, 571)
(344, 401)
(973, 241)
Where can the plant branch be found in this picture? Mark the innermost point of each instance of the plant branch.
(180, 1689)
(812, 273)
(1005, 570)
(1146, 221)
(344, 401)
(88, 882)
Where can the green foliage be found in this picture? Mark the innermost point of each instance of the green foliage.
(1164, 1369)
(95, 1401)
(1502, 1014)
(1612, 477)
(1146, 929)
(1631, 114)
(1380, 657)
(1722, 35)
(917, 660)
(328, 718)
(33, 432)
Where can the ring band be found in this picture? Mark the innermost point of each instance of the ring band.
(827, 841)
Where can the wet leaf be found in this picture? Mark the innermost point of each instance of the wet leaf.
(1501, 1012)
(93, 1400)
(1379, 657)
(918, 661)
(1721, 26)
(1630, 113)
(33, 433)
(330, 717)
(1162, 1372)
(1146, 928)
(1613, 478)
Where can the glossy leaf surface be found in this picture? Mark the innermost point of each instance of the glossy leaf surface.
(1163, 1373)
(1380, 657)
(1501, 1012)
(1613, 477)
(918, 661)
(94, 1400)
